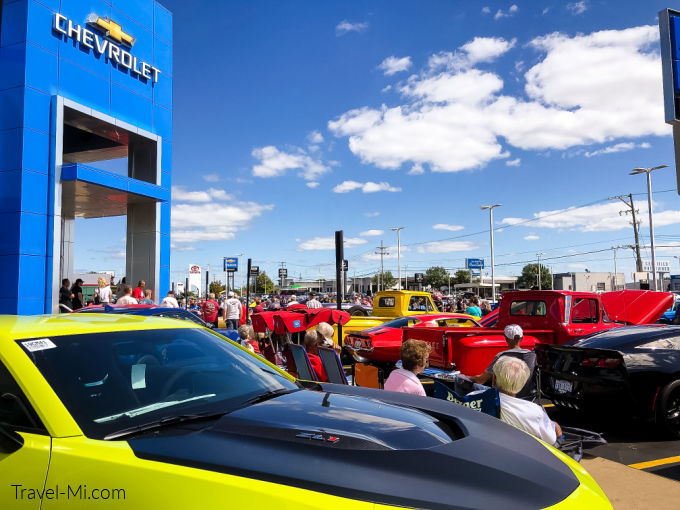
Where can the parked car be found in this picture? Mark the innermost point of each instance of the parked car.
(631, 371)
(158, 311)
(382, 343)
(166, 414)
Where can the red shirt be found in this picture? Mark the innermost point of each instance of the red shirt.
(138, 293)
(209, 309)
(243, 318)
(318, 367)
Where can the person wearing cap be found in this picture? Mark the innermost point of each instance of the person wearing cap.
(513, 336)
(312, 302)
(232, 311)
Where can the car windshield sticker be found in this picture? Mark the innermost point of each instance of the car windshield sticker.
(138, 376)
(38, 345)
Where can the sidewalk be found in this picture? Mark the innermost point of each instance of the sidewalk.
(633, 489)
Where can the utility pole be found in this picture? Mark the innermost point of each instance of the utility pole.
(632, 211)
(538, 270)
(382, 251)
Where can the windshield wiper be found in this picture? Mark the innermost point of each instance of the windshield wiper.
(265, 396)
(163, 422)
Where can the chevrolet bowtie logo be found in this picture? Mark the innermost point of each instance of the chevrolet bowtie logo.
(110, 29)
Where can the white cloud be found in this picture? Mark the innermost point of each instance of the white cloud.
(372, 214)
(619, 147)
(446, 246)
(593, 218)
(506, 14)
(392, 65)
(211, 177)
(180, 194)
(577, 8)
(513, 162)
(328, 243)
(372, 232)
(312, 184)
(315, 137)
(386, 88)
(446, 226)
(345, 26)
(455, 117)
(274, 163)
(416, 169)
(365, 187)
(208, 216)
(531, 237)
(486, 10)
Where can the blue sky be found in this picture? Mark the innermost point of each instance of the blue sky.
(295, 119)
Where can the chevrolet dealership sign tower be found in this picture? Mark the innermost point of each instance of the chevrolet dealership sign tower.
(79, 87)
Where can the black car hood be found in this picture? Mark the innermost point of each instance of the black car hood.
(441, 456)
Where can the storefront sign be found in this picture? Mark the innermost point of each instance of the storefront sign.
(113, 52)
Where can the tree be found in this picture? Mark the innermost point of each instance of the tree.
(263, 283)
(461, 276)
(529, 280)
(388, 281)
(216, 288)
(436, 277)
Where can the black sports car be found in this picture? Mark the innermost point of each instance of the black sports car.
(630, 370)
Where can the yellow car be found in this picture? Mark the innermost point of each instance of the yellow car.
(115, 411)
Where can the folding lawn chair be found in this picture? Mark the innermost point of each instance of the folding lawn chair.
(300, 362)
(367, 376)
(332, 365)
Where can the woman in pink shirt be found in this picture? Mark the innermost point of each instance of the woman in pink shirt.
(414, 354)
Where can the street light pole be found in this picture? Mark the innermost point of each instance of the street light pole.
(398, 230)
(649, 171)
(493, 275)
(239, 256)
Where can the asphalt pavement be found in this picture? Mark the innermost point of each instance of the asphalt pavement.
(632, 442)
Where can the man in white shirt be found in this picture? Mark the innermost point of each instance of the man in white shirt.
(232, 311)
(127, 298)
(513, 337)
(169, 301)
(292, 300)
(312, 302)
(510, 375)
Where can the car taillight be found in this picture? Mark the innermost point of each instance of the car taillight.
(601, 362)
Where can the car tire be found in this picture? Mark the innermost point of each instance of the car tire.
(358, 311)
(668, 409)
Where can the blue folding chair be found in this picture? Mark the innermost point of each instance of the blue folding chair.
(481, 398)
(332, 365)
(301, 361)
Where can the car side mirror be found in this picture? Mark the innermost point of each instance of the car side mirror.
(10, 441)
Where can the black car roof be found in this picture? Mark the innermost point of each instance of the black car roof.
(617, 337)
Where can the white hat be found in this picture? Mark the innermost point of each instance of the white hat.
(231, 294)
(513, 332)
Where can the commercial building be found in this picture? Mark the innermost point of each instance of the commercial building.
(85, 132)
(589, 282)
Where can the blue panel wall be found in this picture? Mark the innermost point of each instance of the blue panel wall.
(38, 64)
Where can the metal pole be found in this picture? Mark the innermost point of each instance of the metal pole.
(399, 255)
(616, 279)
(339, 258)
(248, 288)
(493, 275)
(638, 258)
(651, 225)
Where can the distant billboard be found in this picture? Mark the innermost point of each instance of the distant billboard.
(474, 263)
(230, 264)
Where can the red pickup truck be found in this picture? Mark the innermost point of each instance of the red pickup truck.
(553, 317)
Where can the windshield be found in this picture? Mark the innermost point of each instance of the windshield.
(399, 323)
(113, 381)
